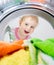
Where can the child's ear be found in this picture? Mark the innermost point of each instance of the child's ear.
(20, 22)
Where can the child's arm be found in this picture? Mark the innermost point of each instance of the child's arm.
(6, 48)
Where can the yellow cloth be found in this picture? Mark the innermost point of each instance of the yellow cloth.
(20, 57)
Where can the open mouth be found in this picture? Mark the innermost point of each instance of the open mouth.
(26, 31)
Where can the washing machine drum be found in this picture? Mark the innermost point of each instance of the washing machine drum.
(12, 15)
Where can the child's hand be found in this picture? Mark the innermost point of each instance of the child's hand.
(26, 44)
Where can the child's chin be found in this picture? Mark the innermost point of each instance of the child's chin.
(26, 34)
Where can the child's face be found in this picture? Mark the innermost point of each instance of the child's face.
(27, 26)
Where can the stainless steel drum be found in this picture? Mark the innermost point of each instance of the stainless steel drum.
(25, 9)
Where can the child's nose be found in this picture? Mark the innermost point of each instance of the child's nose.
(28, 28)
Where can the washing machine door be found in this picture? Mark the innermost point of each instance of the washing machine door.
(45, 15)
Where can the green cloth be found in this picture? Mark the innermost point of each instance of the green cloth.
(46, 46)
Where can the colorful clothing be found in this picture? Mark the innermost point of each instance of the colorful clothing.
(16, 35)
(12, 34)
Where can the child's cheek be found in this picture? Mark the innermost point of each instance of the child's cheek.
(31, 31)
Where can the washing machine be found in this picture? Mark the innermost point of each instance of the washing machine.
(10, 16)
(45, 14)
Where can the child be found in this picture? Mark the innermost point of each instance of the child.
(27, 25)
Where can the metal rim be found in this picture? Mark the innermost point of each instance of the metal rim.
(24, 7)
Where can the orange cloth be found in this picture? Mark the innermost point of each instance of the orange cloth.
(7, 48)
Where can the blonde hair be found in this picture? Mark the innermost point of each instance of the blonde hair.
(32, 17)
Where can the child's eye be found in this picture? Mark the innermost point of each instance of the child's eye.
(32, 27)
(26, 24)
